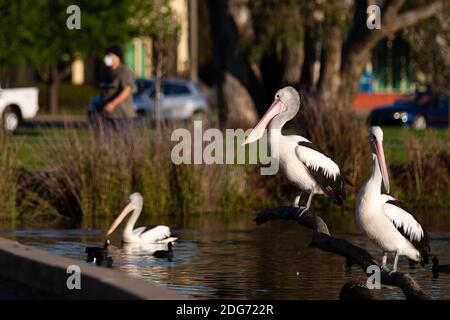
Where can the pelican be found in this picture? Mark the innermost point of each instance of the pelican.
(158, 234)
(384, 219)
(303, 164)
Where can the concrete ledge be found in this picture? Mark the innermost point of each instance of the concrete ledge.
(45, 272)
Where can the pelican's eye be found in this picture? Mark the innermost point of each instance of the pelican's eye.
(277, 96)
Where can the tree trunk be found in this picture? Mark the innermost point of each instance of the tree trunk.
(350, 77)
(231, 68)
(330, 79)
(240, 109)
(159, 62)
(293, 58)
(307, 73)
(193, 40)
(53, 90)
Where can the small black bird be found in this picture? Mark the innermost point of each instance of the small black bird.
(436, 268)
(164, 254)
(99, 255)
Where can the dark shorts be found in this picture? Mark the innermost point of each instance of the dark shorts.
(109, 125)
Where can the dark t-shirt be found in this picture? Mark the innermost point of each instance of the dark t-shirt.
(113, 81)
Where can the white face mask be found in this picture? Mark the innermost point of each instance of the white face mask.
(108, 60)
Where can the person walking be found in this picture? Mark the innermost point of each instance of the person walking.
(116, 86)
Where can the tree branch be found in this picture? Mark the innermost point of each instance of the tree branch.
(323, 240)
(410, 17)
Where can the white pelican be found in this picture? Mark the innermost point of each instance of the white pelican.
(384, 219)
(302, 163)
(158, 234)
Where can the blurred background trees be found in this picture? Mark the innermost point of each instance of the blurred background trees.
(246, 49)
(42, 38)
(321, 47)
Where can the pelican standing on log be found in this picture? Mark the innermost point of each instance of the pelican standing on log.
(158, 234)
(384, 219)
(303, 164)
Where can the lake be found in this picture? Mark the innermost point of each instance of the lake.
(230, 257)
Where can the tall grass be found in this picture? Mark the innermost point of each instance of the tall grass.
(425, 178)
(89, 175)
(8, 184)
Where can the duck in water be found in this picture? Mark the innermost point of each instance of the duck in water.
(99, 255)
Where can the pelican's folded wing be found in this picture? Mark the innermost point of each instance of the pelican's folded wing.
(407, 224)
(158, 233)
(323, 170)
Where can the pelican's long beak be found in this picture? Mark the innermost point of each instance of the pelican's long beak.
(130, 207)
(257, 132)
(382, 163)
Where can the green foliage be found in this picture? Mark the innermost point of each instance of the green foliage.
(10, 42)
(153, 18)
(40, 33)
(275, 23)
(431, 38)
(45, 39)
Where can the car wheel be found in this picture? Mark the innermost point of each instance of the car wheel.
(11, 119)
(419, 122)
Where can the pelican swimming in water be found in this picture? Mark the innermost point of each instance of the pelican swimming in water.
(158, 234)
(303, 164)
(384, 219)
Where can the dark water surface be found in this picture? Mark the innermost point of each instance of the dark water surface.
(229, 256)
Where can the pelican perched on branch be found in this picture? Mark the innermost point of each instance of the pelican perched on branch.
(158, 234)
(301, 161)
(385, 219)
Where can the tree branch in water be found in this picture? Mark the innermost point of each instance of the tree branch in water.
(322, 239)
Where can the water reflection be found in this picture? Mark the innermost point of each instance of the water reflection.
(231, 257)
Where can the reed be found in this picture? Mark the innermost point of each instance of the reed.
(425, 179)
(90, 175)
(8, 186)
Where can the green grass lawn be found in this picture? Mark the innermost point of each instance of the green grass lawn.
(31, 143)
(395, 148)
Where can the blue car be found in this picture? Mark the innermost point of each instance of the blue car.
(419, 111)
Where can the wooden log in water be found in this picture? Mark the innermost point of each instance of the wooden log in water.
(322, 239)
(356, 291)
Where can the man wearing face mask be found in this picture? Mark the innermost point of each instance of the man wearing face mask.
(116, 89)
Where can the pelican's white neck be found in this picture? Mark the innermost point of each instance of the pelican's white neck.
(274, 135)
(373, 184)
(134, 217)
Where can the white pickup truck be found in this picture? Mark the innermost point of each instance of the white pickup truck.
(17, 104)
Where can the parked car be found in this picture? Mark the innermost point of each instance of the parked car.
(180, 99)
(419, 110)
(17, 104)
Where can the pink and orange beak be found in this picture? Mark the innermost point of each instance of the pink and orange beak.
(258, 131)
(130, 207)
(378, 146)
